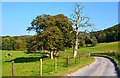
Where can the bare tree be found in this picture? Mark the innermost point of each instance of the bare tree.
(78, 21)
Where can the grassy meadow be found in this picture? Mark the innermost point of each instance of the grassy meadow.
(29, 65)
(101, 47)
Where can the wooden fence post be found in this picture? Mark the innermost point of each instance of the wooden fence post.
(68, 61)
(12, 69)
(86, 55)
(55, 62)
(40, 67)
(51, 54)
(89, 54)
(83, 55)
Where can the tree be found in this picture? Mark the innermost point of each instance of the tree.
(31, 44)
(19, 44)
(65, 26)
(93, 41)
(81, 42)
(78, 21)
(52, 39)
(12, 43)
(44, 21)
(6, 44)
(52, 31)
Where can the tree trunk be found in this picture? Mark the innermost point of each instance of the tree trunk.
(76, 44)
(51, 54)
(76, 41)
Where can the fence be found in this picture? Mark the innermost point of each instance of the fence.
(69, 61)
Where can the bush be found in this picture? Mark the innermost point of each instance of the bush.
(88, 45)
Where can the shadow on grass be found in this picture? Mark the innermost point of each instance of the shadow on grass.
(26, 52)
(25, 59)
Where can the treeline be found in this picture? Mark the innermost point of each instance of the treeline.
(29, 43)
(108, 35)
(14, 43)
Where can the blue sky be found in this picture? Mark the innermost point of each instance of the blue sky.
(17, 16)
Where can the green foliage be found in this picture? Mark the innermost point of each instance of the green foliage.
(6, 44)
(108, 35)
(90, 40)
(14, 43)
(81, 42)
(51, 38)
(19, 44)
(88, 45)
(52, 31)
(31, 44)
(94, 41)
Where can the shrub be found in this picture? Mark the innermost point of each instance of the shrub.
(88, 45)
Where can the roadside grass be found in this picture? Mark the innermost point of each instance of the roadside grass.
(29, 65)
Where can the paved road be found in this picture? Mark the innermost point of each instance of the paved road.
(101, 67)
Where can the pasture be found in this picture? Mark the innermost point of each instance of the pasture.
(29, 65)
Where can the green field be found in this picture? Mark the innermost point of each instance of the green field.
(27, 65)
(102, 47)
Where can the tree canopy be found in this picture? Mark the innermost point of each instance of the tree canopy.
(108, 35)
(52, 31)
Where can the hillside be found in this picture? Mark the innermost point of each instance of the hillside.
(110, 34)
(101, 47)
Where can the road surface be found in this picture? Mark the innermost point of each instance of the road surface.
(101, 67)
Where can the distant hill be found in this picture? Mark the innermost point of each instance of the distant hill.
(113, 28)
(108, 35)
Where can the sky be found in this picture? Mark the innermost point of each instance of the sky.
(60, 0)
(17, 16)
